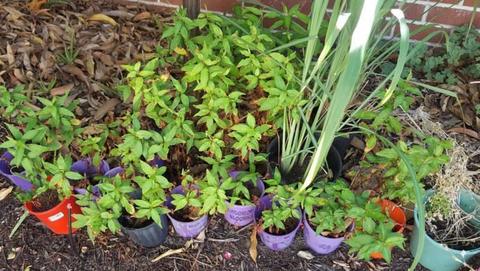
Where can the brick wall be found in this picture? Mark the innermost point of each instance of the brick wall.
(444, 14)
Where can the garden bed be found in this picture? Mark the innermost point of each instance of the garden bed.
(87, 49)
(35, 246)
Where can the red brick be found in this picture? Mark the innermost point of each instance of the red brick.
(451, 16)
(472, 3)
(218, 5)
(438, 38)
(413, 11)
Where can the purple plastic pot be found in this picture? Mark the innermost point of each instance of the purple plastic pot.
(5, 171)
(272, 241)
(86, 167)
(319, 243)
(186, 229)
(241, 215)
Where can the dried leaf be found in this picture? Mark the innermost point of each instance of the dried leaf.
(11, 255)
(77, 72)
(92, 130)
(305, 255)
(89, 64)
(13, 14)
(58, 91)
(119, 13)
(105, 108)
(19, 75)
(10, 55)
(5, 192)
(465, 131)
(99, 17)
(142, 16)
(169, 253)
(106, 59)
(36, 5)
(253, 244)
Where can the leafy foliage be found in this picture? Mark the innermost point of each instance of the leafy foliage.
(457, 61)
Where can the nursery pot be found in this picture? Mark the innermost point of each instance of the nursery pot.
(5, 171)
(437, 256)
(334, 159)
(56, 219)
(397, 214)
(470, 202)
(188, 229)
(318, 243)
(241, 215)
(151, 235)
(274, 241)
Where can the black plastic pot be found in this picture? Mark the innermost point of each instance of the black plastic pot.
(150, 236)
(334, 159)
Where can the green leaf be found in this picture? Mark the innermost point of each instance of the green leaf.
(74, 175)
(142, 203)
(388, 153)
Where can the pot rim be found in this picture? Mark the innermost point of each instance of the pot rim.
(428, 194)
(151, 224)
(184, 223)
(29, 204)
(306, 224)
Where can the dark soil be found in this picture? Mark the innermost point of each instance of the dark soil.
(45, 201)
(467, 233)
(186, 214)
(290, 225)
(36, 247)
(135, 223)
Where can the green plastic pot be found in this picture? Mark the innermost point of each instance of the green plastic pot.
(470, 203)
(437, 256)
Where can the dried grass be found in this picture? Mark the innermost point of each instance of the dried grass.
(447, 184)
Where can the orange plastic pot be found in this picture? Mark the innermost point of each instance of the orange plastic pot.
(56, 219)
(397, 214)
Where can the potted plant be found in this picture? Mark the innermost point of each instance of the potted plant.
(279, 217)
(326, 221)
(243, 189)
(36, 159)
(385, 172)
(133, 203)
(375, 233)
(51, 200)
(451, 237)
(186, 208)
(148, 225)
(44, 186)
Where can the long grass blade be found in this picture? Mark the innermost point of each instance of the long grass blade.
(345, 88)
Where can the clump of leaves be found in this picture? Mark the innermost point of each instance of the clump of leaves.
(457, 61)
(140, 201)
(100, 215)
(189, 200)
(284, 206)
(374, 229)
(326, 207)
(425, 160)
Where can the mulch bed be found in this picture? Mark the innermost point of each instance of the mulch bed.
(36, 247)
(30, 59)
